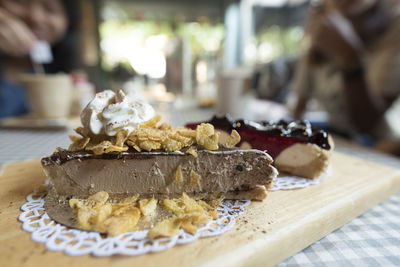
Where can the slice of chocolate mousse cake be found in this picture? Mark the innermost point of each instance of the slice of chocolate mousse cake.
(124, 149)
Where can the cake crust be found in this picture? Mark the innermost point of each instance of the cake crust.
(304, 160)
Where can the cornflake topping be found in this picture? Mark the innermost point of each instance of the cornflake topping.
(153, 135)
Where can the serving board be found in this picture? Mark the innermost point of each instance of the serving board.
(267, 233)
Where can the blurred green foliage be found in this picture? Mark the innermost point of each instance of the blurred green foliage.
(204, 37)
(281, 41)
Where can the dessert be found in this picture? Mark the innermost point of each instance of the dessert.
(296, 147)
(126, 156)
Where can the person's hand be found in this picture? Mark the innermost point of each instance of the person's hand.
(16, 39)
(334, 36)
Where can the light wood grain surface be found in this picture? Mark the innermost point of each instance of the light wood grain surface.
(267, 233)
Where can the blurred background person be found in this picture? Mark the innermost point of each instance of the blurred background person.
(351, 65)
(22, 23)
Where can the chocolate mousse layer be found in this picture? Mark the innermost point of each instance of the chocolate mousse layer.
(236, 174)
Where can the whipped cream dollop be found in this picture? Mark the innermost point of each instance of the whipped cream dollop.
(109, 112)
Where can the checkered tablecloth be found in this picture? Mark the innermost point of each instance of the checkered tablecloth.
(373, 239)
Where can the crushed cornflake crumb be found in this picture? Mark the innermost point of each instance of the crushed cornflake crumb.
(165, 228)
(179, 175)
(233, 139)
(148, 206)
(194, 178)
(192, 151)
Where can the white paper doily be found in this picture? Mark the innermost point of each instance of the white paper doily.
(76, 242)
(295, 182)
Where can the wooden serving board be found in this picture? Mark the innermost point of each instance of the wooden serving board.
(267, 233)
